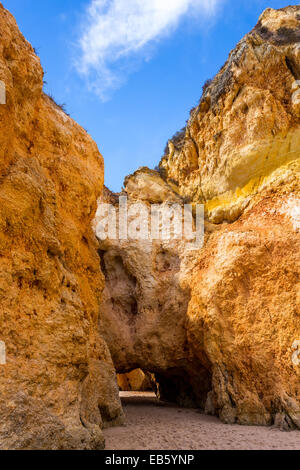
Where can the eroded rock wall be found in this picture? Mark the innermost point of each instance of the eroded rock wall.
(135, 381)
(218, 325)
(245, 312)
(145, 300)
(59, 376)
(243, 138)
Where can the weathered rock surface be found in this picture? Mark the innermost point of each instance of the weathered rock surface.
(143, 312)
(59, 378)
(243, 138)
(217, 325)
(245, 314)
(135, 381)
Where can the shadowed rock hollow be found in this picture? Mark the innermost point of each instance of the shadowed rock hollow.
(143, 312)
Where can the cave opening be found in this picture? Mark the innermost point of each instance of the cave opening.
(173, 386)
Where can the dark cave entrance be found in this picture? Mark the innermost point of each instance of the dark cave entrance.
(173, 386)
(148, 328)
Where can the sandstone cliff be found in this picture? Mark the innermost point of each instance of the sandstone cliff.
(245, 314)
(243, 138)
(217, 325)
(59, 378)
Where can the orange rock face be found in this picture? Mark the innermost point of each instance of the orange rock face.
(58, 378)
(135, 381)
(244, 314)
(220, 326)
(243, 138)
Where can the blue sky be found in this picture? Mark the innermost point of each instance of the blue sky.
(131, 106)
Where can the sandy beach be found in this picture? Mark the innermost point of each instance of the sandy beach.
(152, 425)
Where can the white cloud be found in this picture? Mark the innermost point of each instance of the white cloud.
(115, 32)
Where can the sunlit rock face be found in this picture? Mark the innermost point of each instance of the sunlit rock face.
(245, 312)
(219, 326)
(243, 139)
(58, 377)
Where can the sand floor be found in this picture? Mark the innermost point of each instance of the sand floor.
(152, 425)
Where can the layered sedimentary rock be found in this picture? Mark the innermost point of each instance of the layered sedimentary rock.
(59, 378)
(243, 138)
(219, 326)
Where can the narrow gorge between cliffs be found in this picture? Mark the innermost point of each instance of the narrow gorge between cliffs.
(90, 328)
